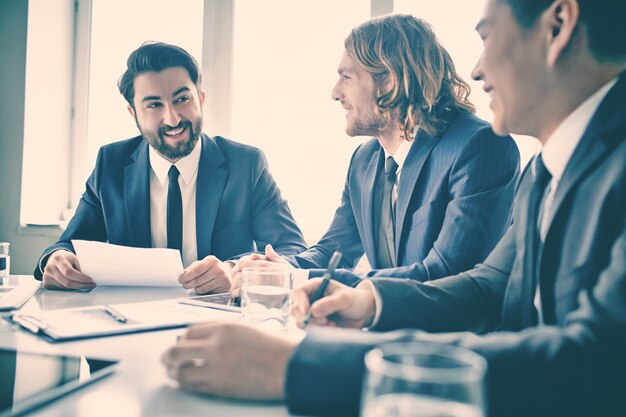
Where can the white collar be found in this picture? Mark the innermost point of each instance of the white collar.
(187, 165)
(401, 153)
(563, 141)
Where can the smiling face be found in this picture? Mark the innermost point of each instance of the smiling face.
(513, 68)
(168, 111)
(355, 90)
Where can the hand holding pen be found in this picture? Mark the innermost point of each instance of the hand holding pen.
(327, 302)
(332, 265)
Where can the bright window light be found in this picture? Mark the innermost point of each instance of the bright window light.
(47, 111)
(284, 67)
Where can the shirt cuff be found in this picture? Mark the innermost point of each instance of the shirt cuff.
(44, 259)
(300, 277)
(378, 303)
(231, 263)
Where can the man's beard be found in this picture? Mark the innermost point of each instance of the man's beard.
(181, 149)
(370, 123)
(371, 127)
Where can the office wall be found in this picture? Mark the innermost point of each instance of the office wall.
(25, 245)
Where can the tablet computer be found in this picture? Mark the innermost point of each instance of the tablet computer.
(14, 296)
(221, 301)
(29, 380)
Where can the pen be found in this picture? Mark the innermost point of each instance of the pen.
(117, 316)
(332, 265)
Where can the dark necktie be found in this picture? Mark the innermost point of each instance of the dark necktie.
(385, 249)
(533, 241)
(174, 211)
(518, 310)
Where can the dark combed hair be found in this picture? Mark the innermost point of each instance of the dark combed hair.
(416, 78)
(602, 19)
(155, 57)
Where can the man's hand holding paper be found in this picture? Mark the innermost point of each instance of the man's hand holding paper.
(63, 272)
(207, 275)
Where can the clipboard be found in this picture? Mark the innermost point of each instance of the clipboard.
(107, 320)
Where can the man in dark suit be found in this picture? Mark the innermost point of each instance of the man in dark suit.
(549, 301)
(452, 183)
(173, 186)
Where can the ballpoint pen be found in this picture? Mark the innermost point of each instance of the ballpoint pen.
(117, 316)
(332, 265)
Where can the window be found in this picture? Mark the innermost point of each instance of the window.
(47, 118)
(76, 53)
(284, 68)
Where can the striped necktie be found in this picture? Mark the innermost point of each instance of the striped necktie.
(385, 249)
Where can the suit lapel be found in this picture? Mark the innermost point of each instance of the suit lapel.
(518, 308)
(420, 149)
(606, 126)
(593, 145)
(367, 202)
(137, 197)
(209, 188)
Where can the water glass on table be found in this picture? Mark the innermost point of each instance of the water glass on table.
(5, 260)
(419, 379)
(266, 296)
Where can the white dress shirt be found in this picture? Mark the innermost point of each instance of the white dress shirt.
(188, 168)
(560, 146)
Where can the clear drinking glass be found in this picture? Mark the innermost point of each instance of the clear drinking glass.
(266, 296)
(5, 259)
(419, 379)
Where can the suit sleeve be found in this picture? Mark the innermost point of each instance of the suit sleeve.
(471, 300)
(575, 370)
(481, 188)
(272, 221)
(87, 222)
(342, 235)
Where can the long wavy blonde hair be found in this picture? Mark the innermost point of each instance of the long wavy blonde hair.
(416, 79)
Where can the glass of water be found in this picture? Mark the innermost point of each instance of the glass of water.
(266, 296)
(419, 379)
(5, 259)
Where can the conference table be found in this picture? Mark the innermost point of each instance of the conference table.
(140, 385)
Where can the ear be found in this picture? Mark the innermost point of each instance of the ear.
(202, 96)
(561, 19)
(131, 110)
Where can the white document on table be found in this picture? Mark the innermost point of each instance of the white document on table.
(109, 264)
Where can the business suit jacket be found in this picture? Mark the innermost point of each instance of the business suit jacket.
(454, 203)
(238, 204)
(572, 365)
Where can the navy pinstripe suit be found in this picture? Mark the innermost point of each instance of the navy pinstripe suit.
(454, 203)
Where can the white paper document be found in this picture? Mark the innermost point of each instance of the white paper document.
(109, 264)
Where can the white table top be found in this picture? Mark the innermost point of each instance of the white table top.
(140, 386)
